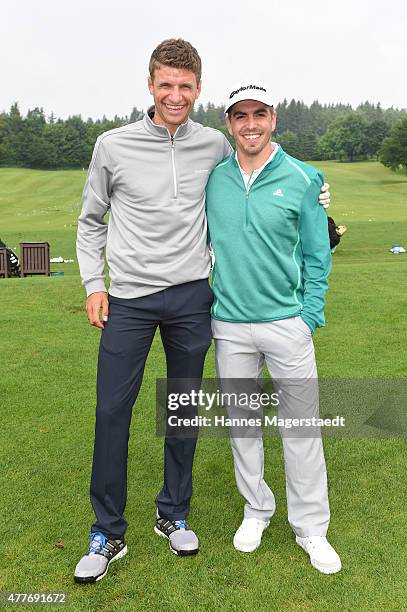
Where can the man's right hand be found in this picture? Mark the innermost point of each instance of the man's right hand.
(95, 303)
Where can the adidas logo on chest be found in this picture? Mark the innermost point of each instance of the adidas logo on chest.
(279, 192)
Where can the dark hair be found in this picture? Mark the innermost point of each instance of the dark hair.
(178, 53)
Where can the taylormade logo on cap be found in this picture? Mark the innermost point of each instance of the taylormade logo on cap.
(245, 88)
(258, 92)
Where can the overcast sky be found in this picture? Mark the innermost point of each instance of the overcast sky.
(90, 57)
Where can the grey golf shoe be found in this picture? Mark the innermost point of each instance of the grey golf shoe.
(181, 539)
(102, 552)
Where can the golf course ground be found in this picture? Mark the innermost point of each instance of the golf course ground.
(47, 403)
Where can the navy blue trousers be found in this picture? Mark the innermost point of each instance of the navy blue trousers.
(182, 313)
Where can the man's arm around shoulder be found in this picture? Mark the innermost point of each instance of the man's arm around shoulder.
(316, 252)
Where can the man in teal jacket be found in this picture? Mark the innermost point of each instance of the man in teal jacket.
(272, 260)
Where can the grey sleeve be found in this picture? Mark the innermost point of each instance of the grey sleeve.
(92, 226)
(227, 148)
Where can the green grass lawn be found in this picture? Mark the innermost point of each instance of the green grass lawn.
(48, 368)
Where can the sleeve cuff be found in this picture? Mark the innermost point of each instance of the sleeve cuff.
(309, 323)
(93, 286)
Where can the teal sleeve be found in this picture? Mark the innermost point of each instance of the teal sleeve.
(316, 254)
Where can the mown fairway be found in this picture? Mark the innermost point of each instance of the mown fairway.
(48, 365)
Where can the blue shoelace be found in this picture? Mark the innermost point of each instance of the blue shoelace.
(97, 542)
(181, 524)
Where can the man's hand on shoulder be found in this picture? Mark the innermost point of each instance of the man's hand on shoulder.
(95, 303)
(325, 196)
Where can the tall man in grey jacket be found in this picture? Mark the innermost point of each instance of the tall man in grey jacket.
(151, 176)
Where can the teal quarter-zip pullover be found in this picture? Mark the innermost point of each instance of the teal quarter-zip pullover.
(271, 244)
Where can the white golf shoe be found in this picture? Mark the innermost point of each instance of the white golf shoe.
(322, 555)
(248, 537)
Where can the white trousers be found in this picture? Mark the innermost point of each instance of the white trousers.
(286, 347)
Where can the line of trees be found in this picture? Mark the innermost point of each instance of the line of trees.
(36, 141)
(334, 131)
(306, 132)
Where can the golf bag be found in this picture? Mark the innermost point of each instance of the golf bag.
(14, 262)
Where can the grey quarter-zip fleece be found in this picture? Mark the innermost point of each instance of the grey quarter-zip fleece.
(153, 186)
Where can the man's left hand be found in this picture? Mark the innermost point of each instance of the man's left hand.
(325, 196)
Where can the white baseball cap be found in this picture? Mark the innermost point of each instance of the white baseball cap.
(249, 90)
